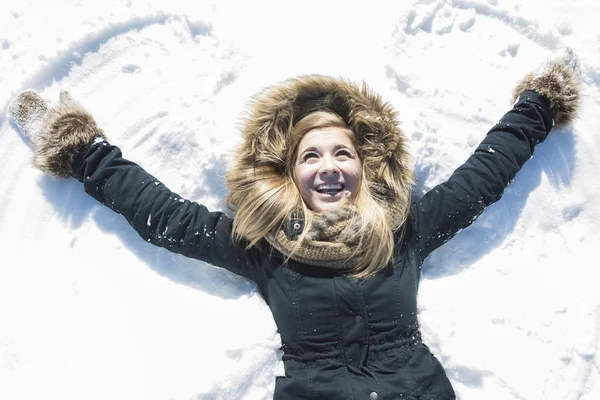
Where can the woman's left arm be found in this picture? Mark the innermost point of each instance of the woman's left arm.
(542, 101)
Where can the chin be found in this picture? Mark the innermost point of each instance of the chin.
(320, 207)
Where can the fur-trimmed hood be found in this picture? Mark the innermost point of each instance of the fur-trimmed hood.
(381, 143)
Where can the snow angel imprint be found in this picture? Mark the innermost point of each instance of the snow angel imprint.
(324, 224)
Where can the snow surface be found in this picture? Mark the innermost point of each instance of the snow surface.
(88, 310)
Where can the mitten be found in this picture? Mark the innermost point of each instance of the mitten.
(59, 133)
(558, 81)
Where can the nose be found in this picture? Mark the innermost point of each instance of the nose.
(328, 166)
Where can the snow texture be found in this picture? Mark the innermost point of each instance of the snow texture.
(88, 310)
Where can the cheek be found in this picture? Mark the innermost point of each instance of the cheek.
(303, 178)
(357, 174)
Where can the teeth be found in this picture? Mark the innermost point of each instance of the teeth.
(330, 186)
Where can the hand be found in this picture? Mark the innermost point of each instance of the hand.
(559, 81)
(571, 61)
(28, 111)
(59, 133)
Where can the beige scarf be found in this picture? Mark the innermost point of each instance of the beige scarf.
(331, 242)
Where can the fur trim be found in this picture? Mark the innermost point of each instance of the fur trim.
(559, 82)
(66, 132)
(381, 144)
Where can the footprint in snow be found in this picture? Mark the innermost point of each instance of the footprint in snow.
(438, 17)
(131, 69)
(511, 49)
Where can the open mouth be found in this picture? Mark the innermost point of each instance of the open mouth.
(330, 188)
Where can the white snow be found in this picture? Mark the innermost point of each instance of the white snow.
(88, 310)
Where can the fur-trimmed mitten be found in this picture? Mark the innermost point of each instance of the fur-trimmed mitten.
(558, 81)
(59, 133)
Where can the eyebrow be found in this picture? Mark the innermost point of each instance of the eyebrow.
(309, 149)
(335, 148)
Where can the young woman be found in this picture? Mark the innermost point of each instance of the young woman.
(324, 223)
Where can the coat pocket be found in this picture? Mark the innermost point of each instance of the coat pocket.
(429, 375)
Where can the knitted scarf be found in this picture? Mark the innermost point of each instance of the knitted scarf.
(331, 242)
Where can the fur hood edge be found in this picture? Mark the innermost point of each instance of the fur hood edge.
(381, 143)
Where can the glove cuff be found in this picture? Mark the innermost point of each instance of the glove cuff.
(67, 132)
(559, 83)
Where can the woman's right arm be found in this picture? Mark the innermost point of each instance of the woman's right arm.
(160, 216)
(67, 142)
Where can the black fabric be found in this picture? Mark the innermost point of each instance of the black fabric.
(342, 338)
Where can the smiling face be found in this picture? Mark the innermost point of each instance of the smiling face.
(327, 169)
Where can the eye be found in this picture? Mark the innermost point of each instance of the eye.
(309, 155)
(344, 153)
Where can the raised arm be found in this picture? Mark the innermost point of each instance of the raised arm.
(68, 143)
(543, 100)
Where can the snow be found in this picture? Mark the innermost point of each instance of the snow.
(89, 310)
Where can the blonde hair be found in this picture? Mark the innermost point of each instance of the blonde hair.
(264, 201)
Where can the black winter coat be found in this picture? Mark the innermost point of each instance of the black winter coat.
(342, 338)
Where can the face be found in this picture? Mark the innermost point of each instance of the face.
(328, 170)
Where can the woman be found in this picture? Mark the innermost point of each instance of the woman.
(324, 223)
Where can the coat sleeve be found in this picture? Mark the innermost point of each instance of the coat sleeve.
(160, 216)
(481, 180)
